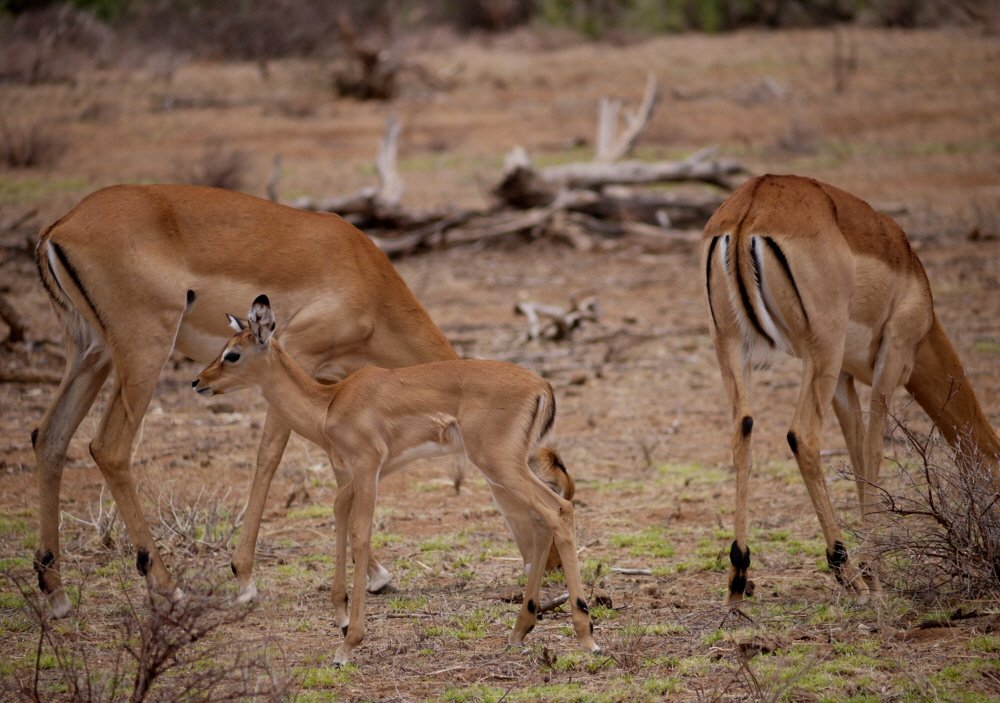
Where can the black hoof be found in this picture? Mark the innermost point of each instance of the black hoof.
(387, 588)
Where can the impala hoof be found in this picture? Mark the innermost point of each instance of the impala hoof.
(59, 605)
(379, 582)
(246, 594)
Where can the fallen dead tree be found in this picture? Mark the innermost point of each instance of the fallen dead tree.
(604, 198)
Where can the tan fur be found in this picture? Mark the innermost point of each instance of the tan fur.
(860, 309)
(547, 466)
(376, 421)
(119, 268)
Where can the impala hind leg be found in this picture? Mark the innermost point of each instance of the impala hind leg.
(86, 371)
(273, 440)
(528, 490)
(819, 380)
(135, 380)
(733, 378)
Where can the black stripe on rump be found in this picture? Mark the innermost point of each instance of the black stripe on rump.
(745, 296)
(76, 280)
(780, 256)
(708, 278)
(46, 283)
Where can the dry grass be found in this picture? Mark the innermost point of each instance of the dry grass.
(34, 144)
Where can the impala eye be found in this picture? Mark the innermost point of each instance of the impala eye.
(231, 357)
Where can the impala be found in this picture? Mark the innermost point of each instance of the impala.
(376, 421)
(798, 267)
(134, 272)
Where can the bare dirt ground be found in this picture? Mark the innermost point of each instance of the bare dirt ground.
(642, 416)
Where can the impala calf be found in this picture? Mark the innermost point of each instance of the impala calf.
(376, 421)
(134, 272)
(799, 267)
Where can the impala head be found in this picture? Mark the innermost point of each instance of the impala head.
(234, 368)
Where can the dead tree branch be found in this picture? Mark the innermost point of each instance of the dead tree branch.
(575, 202)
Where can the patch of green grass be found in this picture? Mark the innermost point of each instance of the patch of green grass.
(23, 562)
(326, 677)
(384, 539)
(30, 190)
(316, 510)
(651, 541)
(664, 629)
(986, 643)
(11, 599)
(407, 604)
(619, 486)
(443, 543)
(599, 612)
(986, 347)
(472, 626)
(683, 475)
(10, 527)
(478, 693)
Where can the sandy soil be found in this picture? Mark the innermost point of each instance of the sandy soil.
(642, 424)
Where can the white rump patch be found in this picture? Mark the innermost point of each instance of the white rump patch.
(756, 351)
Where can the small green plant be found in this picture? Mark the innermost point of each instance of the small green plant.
(651, 541)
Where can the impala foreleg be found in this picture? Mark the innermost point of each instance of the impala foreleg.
(272, 445)
(847, 408)
(83, 379)
(342, 509)
(362, 516)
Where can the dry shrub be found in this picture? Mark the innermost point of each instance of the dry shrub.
(207, 526)
(31, 145)
(168, 651)
(938, 531)
(218, 166)
(50, 44)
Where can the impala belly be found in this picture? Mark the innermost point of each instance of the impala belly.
(858, 352)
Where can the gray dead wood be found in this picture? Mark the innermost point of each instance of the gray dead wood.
(577, 202)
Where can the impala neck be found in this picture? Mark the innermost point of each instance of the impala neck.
(299, 401)
(939, 385)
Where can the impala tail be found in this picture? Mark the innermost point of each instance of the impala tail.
(740, 270)
(543, 417)
(938, 384)
(69, 296)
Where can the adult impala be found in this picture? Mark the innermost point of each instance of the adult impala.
(798, 267)
(134, 272)
(376, 421)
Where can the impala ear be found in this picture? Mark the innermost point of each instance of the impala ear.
(235, 323)
(261, 319)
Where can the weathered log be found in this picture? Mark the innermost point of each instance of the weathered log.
(697, 167)
(28, 376)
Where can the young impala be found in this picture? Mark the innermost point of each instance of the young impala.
(377, 421)
(798, 267)
(134, 272)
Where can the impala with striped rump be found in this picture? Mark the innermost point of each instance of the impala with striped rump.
(134, 272)
(794, 266)
(376, 421)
